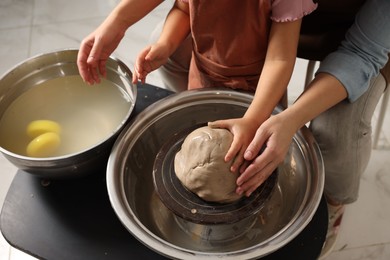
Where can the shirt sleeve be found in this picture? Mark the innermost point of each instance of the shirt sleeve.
(291, 10)
(364, 51)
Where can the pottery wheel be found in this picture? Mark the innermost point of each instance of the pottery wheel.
(188, 205)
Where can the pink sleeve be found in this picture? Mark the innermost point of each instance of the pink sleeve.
(291, 10)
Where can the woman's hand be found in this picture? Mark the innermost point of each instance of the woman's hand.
(275, 135)
(243, 131)
(149, 59)
(96, 48)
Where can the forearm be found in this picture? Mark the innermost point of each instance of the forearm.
(271, 87)
(128, 12)
(348, 71)
(176, 27)
(324, 92)
(277, 70)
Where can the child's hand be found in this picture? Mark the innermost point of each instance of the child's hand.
(243, 131)
(149, 59)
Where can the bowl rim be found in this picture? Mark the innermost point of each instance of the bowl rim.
(114, 132)
(115, 182)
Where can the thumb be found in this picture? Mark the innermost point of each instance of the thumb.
(152, 53)
(142, 56)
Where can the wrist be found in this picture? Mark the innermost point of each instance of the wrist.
(167, 47)
(294, 118)
(255, 121)
(118, 21)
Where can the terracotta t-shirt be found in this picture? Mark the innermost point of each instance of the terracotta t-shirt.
(230, 38)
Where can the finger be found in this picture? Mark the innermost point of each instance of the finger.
(238, 160)
(94, 60)
(233, 151)
(244, 165)
(259, 179)
(92, 67)
(142, 55)
(82, 57)
(253, 183)
(143, 79)
(150, 54)
(234, 148)
(93, 70)
(96, 51)
(140, 61)
(249, 172)
(136, 75)
(102, 68)
(142, 73)
(255, 145)
(135, 78)
(256, 166)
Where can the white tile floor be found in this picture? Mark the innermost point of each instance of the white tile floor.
(31, 27)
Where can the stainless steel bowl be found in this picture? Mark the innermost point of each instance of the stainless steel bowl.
(40, 69)
(132, 195)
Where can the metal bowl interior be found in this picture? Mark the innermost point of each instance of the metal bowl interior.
(48, 66)
(130, 184)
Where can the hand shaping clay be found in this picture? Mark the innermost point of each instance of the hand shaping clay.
(201, 168)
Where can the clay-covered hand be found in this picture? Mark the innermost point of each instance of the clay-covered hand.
(149, 59)
(243, 131)
(275, 135)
